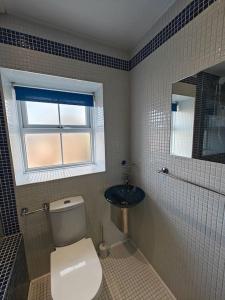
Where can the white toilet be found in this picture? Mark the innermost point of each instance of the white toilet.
(76, 272)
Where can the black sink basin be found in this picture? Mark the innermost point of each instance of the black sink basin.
(124, 195)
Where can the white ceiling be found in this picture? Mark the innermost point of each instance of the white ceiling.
(118, 23)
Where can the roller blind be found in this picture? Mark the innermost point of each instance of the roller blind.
(52, 96)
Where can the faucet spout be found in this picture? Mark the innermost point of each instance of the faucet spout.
(126, 180)
(126, 174)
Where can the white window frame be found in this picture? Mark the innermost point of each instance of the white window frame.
(26, 128)
(10, 77)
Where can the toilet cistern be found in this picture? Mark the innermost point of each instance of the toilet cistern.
(74, 263)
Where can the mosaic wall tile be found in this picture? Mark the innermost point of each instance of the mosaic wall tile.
(190, 12)
(7, 193)
(15, 38)
(18, 282)
(11, 253)
(179, 227)
(19, 39)
(193, 217)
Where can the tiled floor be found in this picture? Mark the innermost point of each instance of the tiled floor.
(127, 276)
(40, 288)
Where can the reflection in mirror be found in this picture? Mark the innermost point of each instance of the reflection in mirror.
(198, 116)
(183, 104)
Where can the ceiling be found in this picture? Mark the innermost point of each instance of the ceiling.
(117, 23)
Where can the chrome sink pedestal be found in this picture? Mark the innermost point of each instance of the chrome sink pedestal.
(125, 220)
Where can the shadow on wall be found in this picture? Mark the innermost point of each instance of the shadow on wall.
(151, 227)
(139, 216)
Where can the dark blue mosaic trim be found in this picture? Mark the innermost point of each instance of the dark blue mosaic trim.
(15, 38)
(190, 80)
(8, 251)
(7, 193)
(18, 286)
(23, 40)
(183, 18)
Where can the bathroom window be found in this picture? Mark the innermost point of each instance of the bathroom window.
(55, 124)
(55, 134)
(56, 127)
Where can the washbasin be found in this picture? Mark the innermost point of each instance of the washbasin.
(124, 195)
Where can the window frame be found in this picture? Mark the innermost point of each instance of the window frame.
(26, 128)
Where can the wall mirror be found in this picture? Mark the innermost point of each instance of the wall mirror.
(198, 115)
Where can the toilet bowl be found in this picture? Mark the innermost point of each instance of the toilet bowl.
(76, 272)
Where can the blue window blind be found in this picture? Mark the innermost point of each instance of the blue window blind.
(52, 96)
(174, 106)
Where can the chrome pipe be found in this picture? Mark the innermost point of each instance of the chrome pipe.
(124, 212)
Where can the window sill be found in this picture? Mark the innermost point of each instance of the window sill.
(59, 173)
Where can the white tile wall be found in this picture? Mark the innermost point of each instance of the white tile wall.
(179, 228)
(116, 96)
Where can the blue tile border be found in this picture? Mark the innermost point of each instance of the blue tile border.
(23, 40)
(191, 11)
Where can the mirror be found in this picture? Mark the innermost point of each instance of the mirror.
(198, 115)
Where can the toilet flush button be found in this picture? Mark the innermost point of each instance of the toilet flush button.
(65, 204)
(66, 201)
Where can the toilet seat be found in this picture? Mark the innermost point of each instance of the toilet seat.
(76, 272)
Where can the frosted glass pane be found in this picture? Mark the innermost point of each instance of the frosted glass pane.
(43, 150)
(42, 113)
(76, 147)
(72, 114)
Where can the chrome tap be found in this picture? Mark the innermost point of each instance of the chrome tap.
(126, 178)
(126, 174)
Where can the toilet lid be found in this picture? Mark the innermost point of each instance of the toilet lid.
(76, 272)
